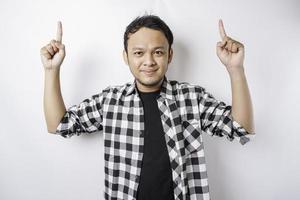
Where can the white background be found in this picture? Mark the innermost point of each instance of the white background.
(37, 165)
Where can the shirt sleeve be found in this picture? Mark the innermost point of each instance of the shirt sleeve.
(86, 117)
(216, 119)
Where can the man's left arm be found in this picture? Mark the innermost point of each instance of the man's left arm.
(242, 110)
(231, 54)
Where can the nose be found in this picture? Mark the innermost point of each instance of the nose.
(149, 61)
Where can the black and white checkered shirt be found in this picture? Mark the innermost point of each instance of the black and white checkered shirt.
(186, 112)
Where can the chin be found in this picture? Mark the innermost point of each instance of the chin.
(149, 81)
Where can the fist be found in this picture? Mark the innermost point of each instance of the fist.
(53, 54)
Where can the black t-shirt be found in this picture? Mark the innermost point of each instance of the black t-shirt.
(156, 175)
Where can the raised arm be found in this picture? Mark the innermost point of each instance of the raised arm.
(231, 54)
(52, 56)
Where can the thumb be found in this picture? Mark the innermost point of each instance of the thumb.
(220, 47)
(60, 45)
(221, 44)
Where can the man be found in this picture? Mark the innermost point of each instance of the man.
(152, 126)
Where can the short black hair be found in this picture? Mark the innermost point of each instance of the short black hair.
(148, 21)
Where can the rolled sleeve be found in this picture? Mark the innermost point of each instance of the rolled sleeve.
(216, 119)
(85, 117)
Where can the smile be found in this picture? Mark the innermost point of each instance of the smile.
(150, 72)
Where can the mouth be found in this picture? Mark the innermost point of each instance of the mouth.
(148, 72)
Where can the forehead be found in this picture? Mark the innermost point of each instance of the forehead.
(147, 38)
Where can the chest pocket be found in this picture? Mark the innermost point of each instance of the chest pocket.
(192, 135)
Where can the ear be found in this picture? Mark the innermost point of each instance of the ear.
(125, 57)
(170, 55)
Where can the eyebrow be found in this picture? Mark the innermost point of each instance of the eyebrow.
(139, 48)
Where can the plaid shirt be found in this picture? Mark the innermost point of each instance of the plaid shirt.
(186, 112)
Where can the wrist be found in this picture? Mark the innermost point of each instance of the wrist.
(237, 74)
(52, 74)
(53, 70)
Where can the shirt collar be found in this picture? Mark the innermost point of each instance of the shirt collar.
(165, 92)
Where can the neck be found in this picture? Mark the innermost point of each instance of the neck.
(144, 88)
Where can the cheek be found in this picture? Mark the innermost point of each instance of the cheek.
(135, 61)
(163, 62)
(135, 65)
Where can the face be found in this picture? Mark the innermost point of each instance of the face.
(148, 58)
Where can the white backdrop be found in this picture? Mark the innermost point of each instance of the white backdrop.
(37, 165)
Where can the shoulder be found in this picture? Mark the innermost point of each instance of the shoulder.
(186, 87)
(117, 89)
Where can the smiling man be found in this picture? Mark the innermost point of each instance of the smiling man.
(152, 126)
(148, 54)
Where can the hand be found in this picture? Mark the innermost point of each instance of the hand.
(53, 54)
(229, 51)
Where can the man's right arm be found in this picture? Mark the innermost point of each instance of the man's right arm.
(52, 56)
(54, 107)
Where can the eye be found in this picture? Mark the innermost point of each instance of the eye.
(138, 53)
(159, 52)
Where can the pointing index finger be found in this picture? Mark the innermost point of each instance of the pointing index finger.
(59, 32)
(221, 29)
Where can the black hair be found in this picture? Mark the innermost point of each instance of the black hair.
(148, 21)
